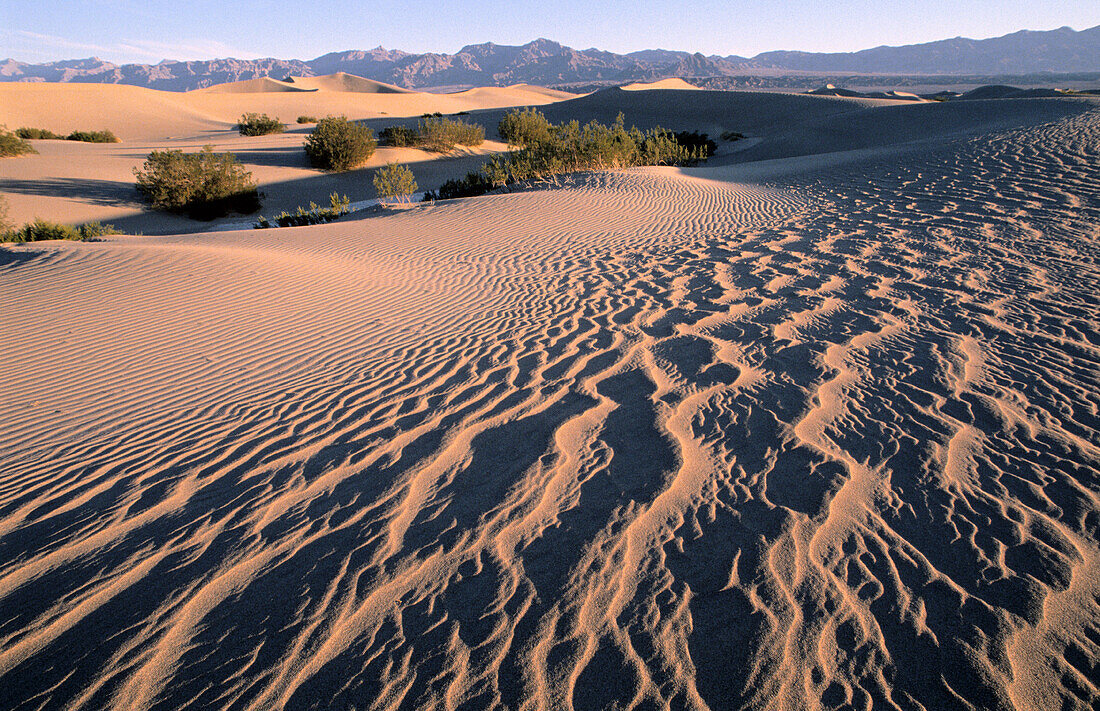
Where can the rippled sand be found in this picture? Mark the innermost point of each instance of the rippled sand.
(798, 434)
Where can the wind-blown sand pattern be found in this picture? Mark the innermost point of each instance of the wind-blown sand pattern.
(795, 434)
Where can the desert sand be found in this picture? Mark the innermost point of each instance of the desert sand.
(812, 426)
(79, 182)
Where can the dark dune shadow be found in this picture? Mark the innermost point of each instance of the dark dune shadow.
(98, 192)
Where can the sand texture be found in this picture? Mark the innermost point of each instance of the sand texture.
(815, 426)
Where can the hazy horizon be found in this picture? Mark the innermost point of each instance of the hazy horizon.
(128, 32)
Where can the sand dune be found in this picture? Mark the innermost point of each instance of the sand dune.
(138, 114)
(813, 431)
(662, 84)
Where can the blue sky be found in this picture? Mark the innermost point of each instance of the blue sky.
(148, 31)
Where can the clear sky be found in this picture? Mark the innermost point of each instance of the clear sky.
(150, 30)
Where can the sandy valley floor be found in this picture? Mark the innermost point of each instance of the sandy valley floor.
(814, 426)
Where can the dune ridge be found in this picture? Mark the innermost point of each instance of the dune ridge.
(661, 438)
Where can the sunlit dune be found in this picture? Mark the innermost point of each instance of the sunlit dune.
(811, 425)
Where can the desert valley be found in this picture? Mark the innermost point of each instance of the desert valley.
(811, 423)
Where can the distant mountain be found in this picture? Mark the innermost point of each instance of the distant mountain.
(1024, 52)
(546, 62)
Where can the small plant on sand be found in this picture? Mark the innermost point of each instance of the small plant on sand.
(339, 144)
(443, 134)
(41, 134)
(307, 119)
(699, 142)
(570, 148)
(394, 183)
(398, 136)
(12, 145)
(93, 137)
(315, 215)
(38, 134)
(41, 231)
(519, 128)
(202, 185)
(732, 136)
(472, 185)
(252, 124)
(433, 133)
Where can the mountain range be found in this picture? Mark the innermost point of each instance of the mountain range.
(548, 63)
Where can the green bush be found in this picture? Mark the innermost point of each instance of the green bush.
(472, 185)
(315, 215)
(695, 140)
(252, 124)
(339, 144)
(41, 231)
(93, 137)
(519, 128)
(37, 134)
(436, 134)
(443, 134)
(571, 148)
(307, 119)
(398, 136)
(13, 145)
(202, 185)
(395, 181)
(5, 225)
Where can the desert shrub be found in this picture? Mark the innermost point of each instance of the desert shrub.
(37, 134)
(696, 140)
(570, 148)
(443, 134)
(472, 185)
(252, 124)
(315, 215)
(13, 145)
(41, 231)
(339, 144)
(202, 185)
(397, 136)
(434, 134)
(519, 128)
(93, 137)
(462, 113)
(5, 224)
(395, 181)
(436, 115)
(307, 119)
(732, 136)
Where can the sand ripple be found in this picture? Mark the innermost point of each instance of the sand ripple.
(652, 441)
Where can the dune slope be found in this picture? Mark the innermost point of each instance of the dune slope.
(656, 440)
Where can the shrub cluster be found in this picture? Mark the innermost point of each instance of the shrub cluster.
(472, 185)
(38, 134)
(434, 133)
(339, 144)
(571, 148)
(252, 124)
(732, 136)
(307, 119)
(41, 230)
(395, 181)
(13, 145)
(315, 215)
(202, 185)
(398, 136)
(93, 137)
(443, 134)
(697, 141)
(520, 128)
(85, 136)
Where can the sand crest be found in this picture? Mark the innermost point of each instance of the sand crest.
(812, 427)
